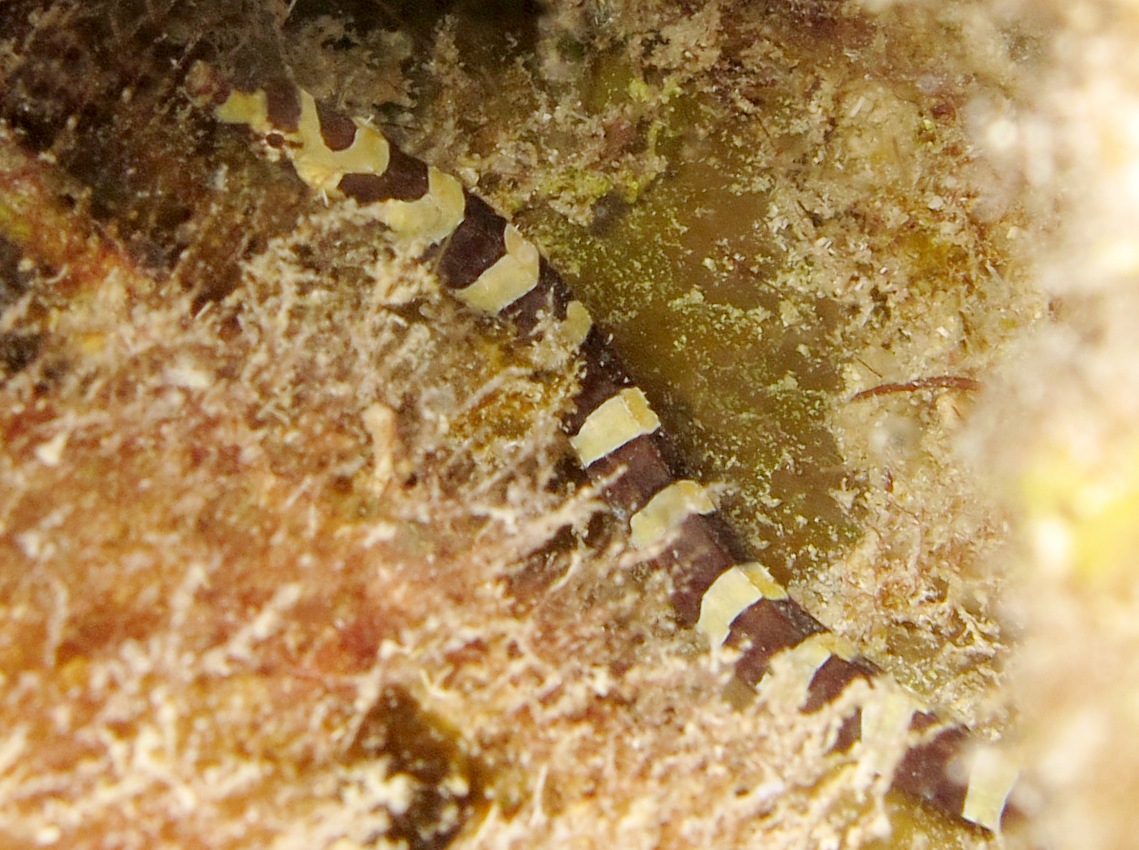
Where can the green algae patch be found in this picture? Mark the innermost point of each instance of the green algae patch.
(725, 339)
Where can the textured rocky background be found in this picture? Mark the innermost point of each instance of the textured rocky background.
(289, 553)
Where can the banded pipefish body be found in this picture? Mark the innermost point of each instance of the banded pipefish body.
(485, 262)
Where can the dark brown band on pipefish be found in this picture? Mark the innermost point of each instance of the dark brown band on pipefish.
(404, 180)
(698, 554)
(766, 628)
(475, 246)
(336, 129)
(927, 772)
(551, 296)
(283, 105)
(601, 378)
(831, 679)
(632, 474)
